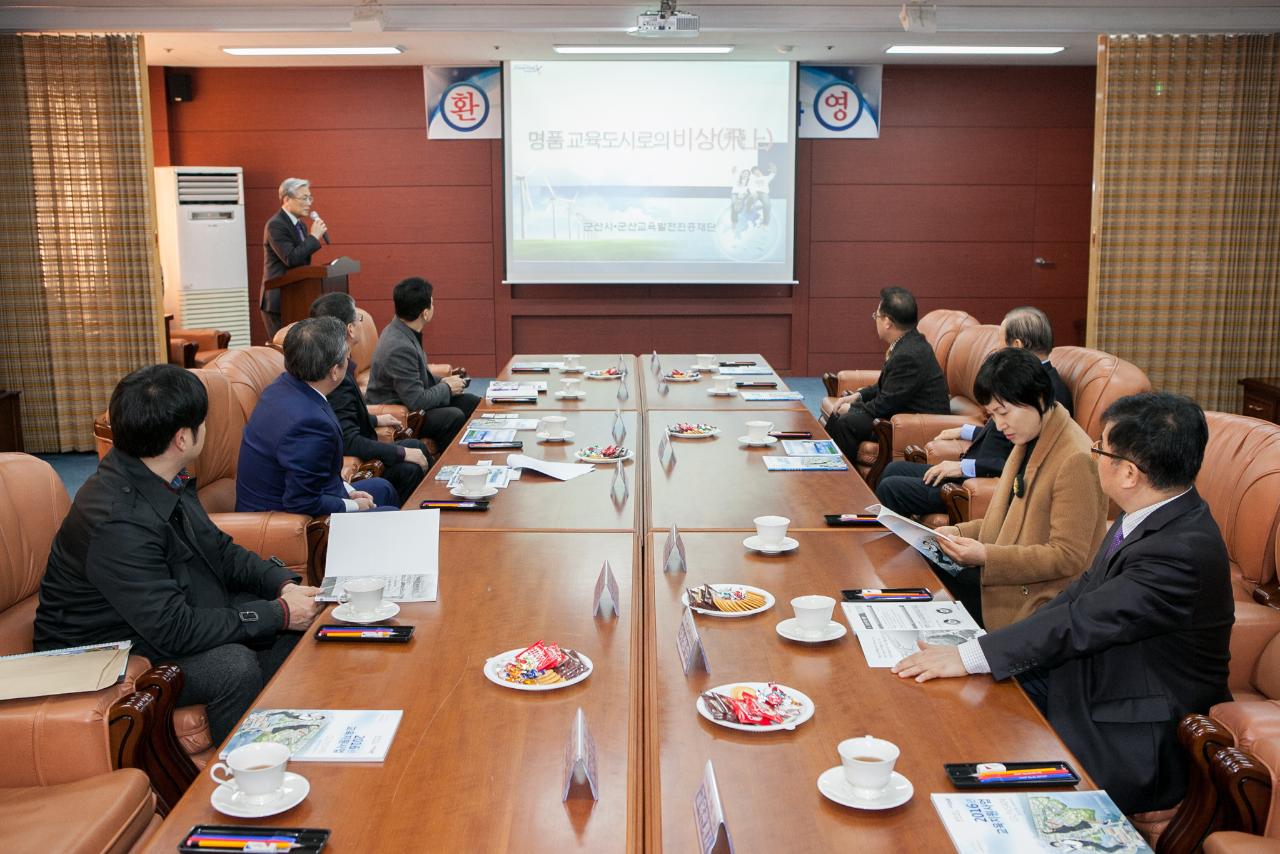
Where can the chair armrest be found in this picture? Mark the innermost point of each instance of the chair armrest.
(364, 469)
(915, 454)
(945, 449)
(969, 500)
(1255, 628)
(917, 429)
(854, 380)
(183, 352)
(283, 535)
(1268, 594)
(206, 339)
(440, 370)
(400, 412)
(64, 738)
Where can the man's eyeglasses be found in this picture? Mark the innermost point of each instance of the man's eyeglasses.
(1097, 449)
(305, 198)
(876, 315)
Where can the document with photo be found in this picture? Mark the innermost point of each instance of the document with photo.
(817, 463)
(746, 394)
(472, 434)
(886, 648)
(810, 448)
(1022, 822)
(878, 616)
(920, 537)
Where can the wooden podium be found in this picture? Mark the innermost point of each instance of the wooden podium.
(300, 286)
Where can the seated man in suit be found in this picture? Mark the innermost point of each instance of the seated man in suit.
(399, 371)
(915, 489)
(138, 559)
(1140, 640)
(291, 452)
(910, 380)
(406, 461)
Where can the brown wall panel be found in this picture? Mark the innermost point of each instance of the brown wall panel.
(926, 213)
(1062, 213)
(929, 270)
(929, 155)
(1064, 156)
(391, 214)
(988, 96)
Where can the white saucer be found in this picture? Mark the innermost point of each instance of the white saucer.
(788, 544)
(790, 629)
(834, 786)
(564, 395)
(227, 801)
(768, 440)
(385, 611)
(576, 369)
(487, 492)
(726, 393)
(687, 378)
(547, 437)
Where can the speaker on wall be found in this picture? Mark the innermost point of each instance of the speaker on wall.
(178, 86)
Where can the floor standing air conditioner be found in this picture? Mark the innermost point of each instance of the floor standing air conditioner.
(200, 214)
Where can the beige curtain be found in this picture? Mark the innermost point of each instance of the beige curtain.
(80, 294)
(1184, 276)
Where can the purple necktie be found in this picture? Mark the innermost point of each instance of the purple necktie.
(302, 235)
(1115, 541)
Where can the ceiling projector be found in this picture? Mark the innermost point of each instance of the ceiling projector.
(667, 22)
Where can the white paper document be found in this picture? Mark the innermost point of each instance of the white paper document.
(744, 371)
(560, 471)
(770, 395)
(497, 390)
(887, 638)
(535, 366)
(920, 537)
(404, 546)
(496, 422)
(810, 448)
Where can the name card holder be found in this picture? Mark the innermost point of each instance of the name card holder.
(673, 557)
(663, 388)
(607, 600)
(713, 832)
(666, 451)
(580, 759)
(619, 489)
(622, 394)
(655, 364)
(689, 644)
(619, 431)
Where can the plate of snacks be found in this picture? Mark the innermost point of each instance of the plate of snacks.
(603, 454)
(727, 600)
(678, 376)
(541, 667)
(686, 430)
(606, 374)
(755, 706)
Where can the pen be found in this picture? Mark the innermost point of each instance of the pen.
(856, 517)
(366, 633)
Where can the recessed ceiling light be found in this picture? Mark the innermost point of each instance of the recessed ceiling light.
(314, 51)
(972, 49)
(646, 48)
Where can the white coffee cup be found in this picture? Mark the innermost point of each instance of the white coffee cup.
(813, 613)
(553, 426)
(473, 479)
(868, 764)
(758, 431)
(364, 595)
(571, 360)
(256, 771)
(771, 530)
(569, 385)
(723, 384)
(707, 360)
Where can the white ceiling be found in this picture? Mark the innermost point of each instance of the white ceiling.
(191, 32)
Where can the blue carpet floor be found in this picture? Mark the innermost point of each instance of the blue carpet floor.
(74, 469)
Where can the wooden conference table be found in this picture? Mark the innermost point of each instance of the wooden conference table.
(696, 395)
(477, 767)
(597, 393)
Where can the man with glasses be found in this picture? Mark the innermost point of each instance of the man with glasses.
(287, 243)
(910, 381)
(1141, 640)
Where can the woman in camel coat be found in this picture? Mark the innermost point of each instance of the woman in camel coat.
(1048, 514)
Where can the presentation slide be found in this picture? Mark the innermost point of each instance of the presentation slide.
(650, 172)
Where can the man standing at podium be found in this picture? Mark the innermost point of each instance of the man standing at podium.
(287, 243)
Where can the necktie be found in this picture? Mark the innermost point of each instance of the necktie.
(302, 234)
(1115, 541)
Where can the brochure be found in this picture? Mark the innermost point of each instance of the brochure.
(817, 463)
(472, 434)
(403, 548)
(535, 366)
(499, 476)
(920, 537)
(399, 588)
(503, 421)
(321, 735)
(770, 395)
(888, 631)
(498, 389)
(809, 448)
(1017, 823)
(745, 371)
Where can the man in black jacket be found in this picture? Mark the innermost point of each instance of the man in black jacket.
(137, 558)
(1142, 639)
(916, 488)
(910, 380)
(287, 243)
(405, 462)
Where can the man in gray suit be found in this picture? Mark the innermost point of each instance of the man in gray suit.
(399, 372)
(287, 243)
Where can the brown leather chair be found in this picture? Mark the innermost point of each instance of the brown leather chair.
(1235, 842)
(67, 737)
(939, 328)
(362, 353)
(1095, 379)
(108, 813)
(211, 344)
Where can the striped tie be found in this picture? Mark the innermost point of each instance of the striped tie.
(1115, 541)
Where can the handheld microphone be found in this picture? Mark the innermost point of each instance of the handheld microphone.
(315, 216)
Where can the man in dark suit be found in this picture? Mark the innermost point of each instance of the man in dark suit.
(138, 559)
(915, 489)
(399, 373)
(405, 461)
(287, 243)
(291, 451)
(910, 380)
(1140, 640)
